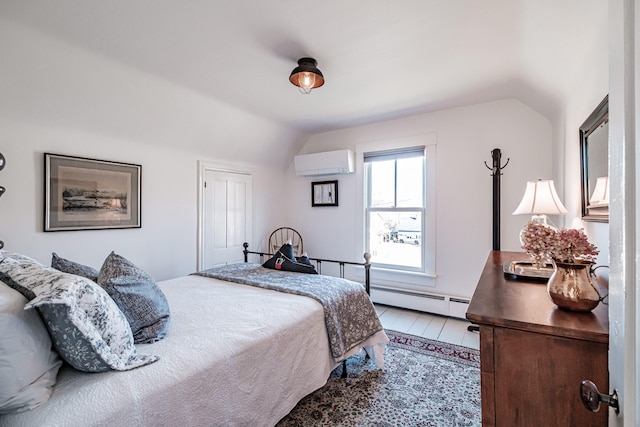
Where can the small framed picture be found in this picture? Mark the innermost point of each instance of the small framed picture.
(324, 193)
(89, 194)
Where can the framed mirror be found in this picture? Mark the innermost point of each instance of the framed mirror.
(594, 164)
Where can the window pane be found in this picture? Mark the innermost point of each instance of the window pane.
(410, 182)
(395, 238)
(382, 183)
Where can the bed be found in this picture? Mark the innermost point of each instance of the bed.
(234, 354)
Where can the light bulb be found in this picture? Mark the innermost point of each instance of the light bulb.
(307, 81)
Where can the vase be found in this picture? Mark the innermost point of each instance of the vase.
(572, 286)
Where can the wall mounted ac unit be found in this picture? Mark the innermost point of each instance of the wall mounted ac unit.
(327, 163)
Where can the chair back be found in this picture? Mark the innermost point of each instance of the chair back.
(281, 235)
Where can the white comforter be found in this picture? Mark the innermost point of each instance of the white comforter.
(235, 355)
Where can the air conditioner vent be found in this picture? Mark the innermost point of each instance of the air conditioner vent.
(327, 163)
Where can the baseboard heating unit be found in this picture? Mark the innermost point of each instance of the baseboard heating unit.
(446, 305)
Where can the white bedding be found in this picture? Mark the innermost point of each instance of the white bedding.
(235, 355)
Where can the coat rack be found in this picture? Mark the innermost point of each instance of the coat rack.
(496, 172)
(2, 189)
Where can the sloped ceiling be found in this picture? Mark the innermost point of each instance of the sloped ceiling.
(381, 59)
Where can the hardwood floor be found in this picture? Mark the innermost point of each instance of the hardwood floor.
(441, 328)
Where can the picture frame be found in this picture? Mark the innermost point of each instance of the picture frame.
(90, 194)
(324, 193)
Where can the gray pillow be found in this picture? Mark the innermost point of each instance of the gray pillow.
(71, 267)
(140, 299)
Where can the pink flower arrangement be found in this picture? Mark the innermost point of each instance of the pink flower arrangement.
(566, 245)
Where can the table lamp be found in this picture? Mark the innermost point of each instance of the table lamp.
(541, 199)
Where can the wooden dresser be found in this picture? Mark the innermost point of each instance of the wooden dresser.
(533, 355)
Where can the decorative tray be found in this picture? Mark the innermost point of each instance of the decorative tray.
(525, 270)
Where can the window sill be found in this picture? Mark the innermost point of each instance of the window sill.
(398, 278)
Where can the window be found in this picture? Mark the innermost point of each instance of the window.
(395, 208)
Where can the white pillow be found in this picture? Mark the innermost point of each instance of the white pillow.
(28, 364)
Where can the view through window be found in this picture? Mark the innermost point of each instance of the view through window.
(395, 207)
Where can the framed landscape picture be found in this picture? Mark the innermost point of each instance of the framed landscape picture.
(324, 193)
(89, 194)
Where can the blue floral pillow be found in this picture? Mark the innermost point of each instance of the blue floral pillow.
(88, 329)
(86, 326)
(10, 263)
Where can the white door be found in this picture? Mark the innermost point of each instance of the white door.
(624, 220)
(225, 215)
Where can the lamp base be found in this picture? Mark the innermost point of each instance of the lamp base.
(544, 220)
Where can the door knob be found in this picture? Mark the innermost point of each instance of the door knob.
(591, 397)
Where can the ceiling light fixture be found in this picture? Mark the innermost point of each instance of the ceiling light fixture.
(306, 75)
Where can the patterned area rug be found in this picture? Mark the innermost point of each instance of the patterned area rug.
(423, 383)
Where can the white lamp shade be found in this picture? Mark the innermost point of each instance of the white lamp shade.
(600, 196)
(540, 198)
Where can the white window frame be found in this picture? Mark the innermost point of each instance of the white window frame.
(421, 209)
(390, 276)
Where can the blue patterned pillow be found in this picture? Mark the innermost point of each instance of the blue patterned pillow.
(88, 329)
(10, 263)
(86, 326)
(71, 267)
(140, 299)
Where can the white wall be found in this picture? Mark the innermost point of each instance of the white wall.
(590, 86)
(165, 246)
(61, 99)
(465, 138)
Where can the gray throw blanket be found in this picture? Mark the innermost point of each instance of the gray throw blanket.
(349, 314)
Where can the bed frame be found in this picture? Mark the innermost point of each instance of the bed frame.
(366, 264)
(319, 261)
